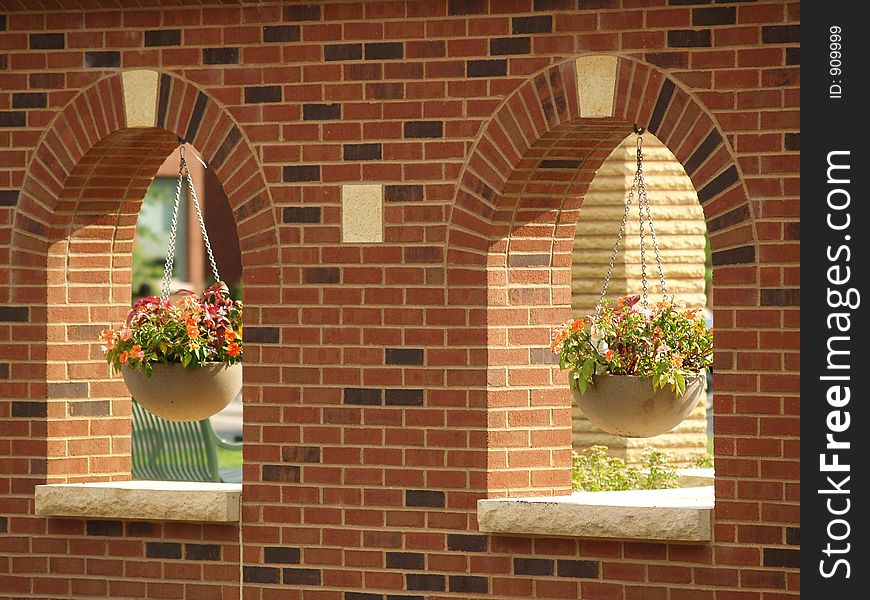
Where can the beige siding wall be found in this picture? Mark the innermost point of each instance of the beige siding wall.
(680, 230)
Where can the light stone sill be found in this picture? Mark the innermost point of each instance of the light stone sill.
(142, 500)
(680, 515)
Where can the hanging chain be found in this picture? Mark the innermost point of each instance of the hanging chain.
(638, 185)
(184, 174)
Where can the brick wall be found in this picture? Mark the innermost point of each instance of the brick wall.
(389, 386)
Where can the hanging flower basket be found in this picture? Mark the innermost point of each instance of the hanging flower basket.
(636, 370)
(181, 361)
(628, 405)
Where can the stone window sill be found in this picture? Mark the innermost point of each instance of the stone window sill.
(680, 515)
(142, 500)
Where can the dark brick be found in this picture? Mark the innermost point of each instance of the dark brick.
(321, 112)
(403, 397)
(688, 38)
(466, 7)
(322, 275)
(792, 231)
(423, 581)
(598, 4)
(342, 52)
(404, 597)
(262, 94)
(47, 41)
(361, 152)
(668, 60)
(424, 129)
(486, 68)
(300, 454)
(510, 45)
(281, 555)
(560, 163)
(4, 374)
(781, 34)
(24, 408)
(4, 521)
(362, 596)
(142, 529)
(384, 51)
(577, 568)
(793, 141)
(294, 173)
(403, 193)
(163, 37)
(363, 396)
(85, 408)
(533, 566)
(163, 89)
(793, 536)
(102, 60)
(782, 557)
(536, 24)
(301, 214)
(467, 543)
(284, 473)
(105, 528)
(780, 297)
(302, 12)
(543, 356)
(262, 335)
(403, 356)
(301, 576)
(661, 105)
(732, 217)
(792, 56)
(281, 33)
(8, 198)
(196, 116)
(720, 15)
(406, 560)
(529, 260)
(540, 5)
(2, 22)
(162, 550)
(29, 100)
(424, 498)
(14, 314)
(469, 583)
(719, 184)
(13, 118)
(202, 552)
(51, 81)
(220, 56)
(734, 256)
(703, 151)
(261, 574)
(79, 389)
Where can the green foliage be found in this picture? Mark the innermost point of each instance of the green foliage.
(594, 470)
(666, 343)
(197, 329)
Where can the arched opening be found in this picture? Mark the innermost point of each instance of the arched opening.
(513, 227)
(681, 234)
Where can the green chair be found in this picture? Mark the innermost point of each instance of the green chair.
(178, 451)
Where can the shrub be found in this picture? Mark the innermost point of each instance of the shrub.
(596, 471)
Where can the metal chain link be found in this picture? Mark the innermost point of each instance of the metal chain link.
(183, 173)
(638, 186)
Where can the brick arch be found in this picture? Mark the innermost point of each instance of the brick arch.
(70, 255)
(511, 233)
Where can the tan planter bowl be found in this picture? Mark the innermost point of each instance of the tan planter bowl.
(627, 405)
(177, 393)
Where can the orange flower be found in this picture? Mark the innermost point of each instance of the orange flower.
(230, 335)
(578, 325)
(126, 333)
(124, 357)
(609, 355)
(192, 332)
(677, 360)
(234, 349)
(137, 352)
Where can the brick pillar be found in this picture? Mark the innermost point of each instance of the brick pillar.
(680, 230)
